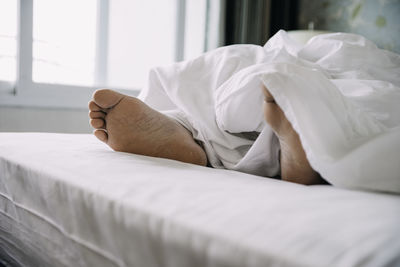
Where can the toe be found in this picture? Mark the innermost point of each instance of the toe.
(275, 116)
(97, 123)
(93, 106)
(97, 115)
(101, 135)
(267, 96)
(106, 98)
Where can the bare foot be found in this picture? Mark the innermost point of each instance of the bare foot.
(127, 124)
(294, 164)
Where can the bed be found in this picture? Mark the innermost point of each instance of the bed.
(69, 200)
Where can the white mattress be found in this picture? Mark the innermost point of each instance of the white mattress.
(68, 200)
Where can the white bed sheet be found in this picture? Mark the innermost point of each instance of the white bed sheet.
(68, 200)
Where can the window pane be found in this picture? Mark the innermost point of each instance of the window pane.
(195, 27)
(141, 35)
(8, 43)
(64, 35)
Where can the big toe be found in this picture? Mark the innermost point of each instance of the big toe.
(267, 95)
(272, 112)
(101, 135)
(106, 98)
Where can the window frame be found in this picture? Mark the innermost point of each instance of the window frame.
(26, 93)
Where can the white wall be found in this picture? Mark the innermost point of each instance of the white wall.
(16, 119)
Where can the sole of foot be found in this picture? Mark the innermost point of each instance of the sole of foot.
(127, 124)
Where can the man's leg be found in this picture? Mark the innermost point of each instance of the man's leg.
(127, 124)
(294, 164)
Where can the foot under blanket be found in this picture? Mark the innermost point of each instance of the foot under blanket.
(339, 91)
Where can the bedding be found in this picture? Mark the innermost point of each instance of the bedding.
(69, 200)
(340, 92)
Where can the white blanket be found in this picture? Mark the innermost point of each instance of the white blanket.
(340, 92)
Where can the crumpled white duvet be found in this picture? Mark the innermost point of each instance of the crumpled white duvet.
(340, 92)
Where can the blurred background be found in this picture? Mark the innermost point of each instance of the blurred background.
(55, 53)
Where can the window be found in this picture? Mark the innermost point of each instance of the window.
(8, 40)
(57, 52)
(149, 42)
(64, 41)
